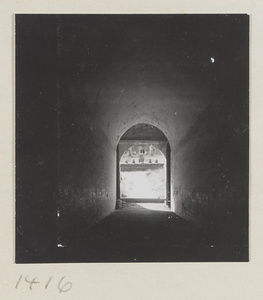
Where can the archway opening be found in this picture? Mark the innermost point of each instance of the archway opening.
(143, 166)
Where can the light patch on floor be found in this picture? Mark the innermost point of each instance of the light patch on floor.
(155, 206)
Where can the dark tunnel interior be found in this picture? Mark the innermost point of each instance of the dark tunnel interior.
(88, 87)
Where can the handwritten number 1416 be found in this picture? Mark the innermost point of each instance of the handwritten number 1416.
(62, 285)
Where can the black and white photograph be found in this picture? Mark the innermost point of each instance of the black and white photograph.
(131, 138)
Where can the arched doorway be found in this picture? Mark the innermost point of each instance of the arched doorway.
(143, 165)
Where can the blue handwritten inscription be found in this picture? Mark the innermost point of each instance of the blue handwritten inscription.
(62, 285)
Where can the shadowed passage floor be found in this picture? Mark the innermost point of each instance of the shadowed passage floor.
(147, 232)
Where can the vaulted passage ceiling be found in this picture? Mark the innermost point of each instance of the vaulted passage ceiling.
(157, 69)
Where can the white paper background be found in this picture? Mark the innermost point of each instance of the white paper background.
(131, 281)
